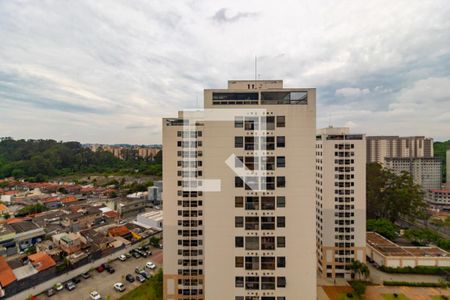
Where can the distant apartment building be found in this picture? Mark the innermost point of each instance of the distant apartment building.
(426, 172)
(340, 201)
(439, 198)
(146, 152)
(155, 193)
(381, 147)
(238, 195)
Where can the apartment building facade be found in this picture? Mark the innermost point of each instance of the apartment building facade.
(381, 147)
(239, 186)
(448, 168)
(340, 201)
(426, 172)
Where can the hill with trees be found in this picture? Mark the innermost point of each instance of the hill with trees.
(39, 160)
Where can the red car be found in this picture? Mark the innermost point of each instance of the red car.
(100, 269)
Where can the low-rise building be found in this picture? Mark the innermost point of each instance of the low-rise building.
(27, 234)
(387, 253)
(439, 198)
(7, 242)
(82, 219)
(6, 276)
(153, 219)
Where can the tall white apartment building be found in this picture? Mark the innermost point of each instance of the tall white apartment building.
(426, 172)
(340, 201)
(448, 168)
(381, 147)
(239, 214)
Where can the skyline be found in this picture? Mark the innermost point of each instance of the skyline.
(104, 72)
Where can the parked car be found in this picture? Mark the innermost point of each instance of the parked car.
(109, 268)
(100, 269)
(149, 253)
(129, 278)
(86, 275)
(51, 292)
(138, 270)
(136, 254)
(122, 258)
(59, 286)
(70, 285)
(140, 278)
(118, 286)
(145, 274)
(76, 280)
(127, 255)
(150, 265)
(94, 295)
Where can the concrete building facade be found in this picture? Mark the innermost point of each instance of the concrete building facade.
(340, 201)
(238, 190)
(381, 147)
(426, 172)
(448, 168)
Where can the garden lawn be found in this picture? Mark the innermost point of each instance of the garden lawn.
(391, 297)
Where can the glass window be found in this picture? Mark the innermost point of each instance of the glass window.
(239, 281)
(281, 161)
(270, 122)
(268, 203)
(238, 202)
(252, 203)
(251, 243)
(281, 222)
(252, 223)
(238, 182)
(281, 142)
(238, 122)
(281, 181)
(252, 263)
(281, 201)
(238, 222)
(267, 243)
(267, 283)
(281, 281)
(281, 262)
(281, 121)
(238, 161)
(238, 141)
(239, 241)
(239, 261)
(267, 263)
(281, 241)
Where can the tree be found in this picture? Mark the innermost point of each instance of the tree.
(392, 196)
(384, 227)
(359, 269)
(359, 287)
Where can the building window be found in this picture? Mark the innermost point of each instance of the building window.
(281, 222)
(267, 283)
(251, 123)
(281, 242)
(252, 283)
(281, 161)
(270, 122)
(238, 202)
(281, 181)
(238, 182)
(238, 161)
(267, 263)
(267, 243)
(238, 141)
(281, 121)
(252, 223)
(238, 122)
(251, 243)
(281, 262)
(252, 263)
(239, 241)
(252, 203)
(281, 201)
(239, 281)
(281, 281)
(239, 222)
(239, 261)
(268, 203)
(281, 142)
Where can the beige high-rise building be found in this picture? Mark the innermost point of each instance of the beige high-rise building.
(340, 201)
(381, 147)
(239, 212)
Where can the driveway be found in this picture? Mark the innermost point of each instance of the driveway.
(103, 282)
(378, 277)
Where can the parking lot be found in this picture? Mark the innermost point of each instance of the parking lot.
(103, 282)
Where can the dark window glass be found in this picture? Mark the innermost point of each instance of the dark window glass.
(281, 242)
(281, 121)
(238, 182)
(239, 242)
(238, 122)
(281, 181)
(239, 222)
(281, 201)
(281, 161)
(238, 201)
(281, 222)
(238, 141)
(281, 142)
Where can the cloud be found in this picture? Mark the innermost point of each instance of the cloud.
(93, 70)
(223, 16)
(351, 92)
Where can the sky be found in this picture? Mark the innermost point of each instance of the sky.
(108, 71)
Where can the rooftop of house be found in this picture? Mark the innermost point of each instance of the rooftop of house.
(6, 273)
(389, 248)
(6, 229)
(23, 226)
(119, 231)
(41, 261)
(3, 207)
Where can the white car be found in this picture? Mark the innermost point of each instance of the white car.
(59, 286)
(150, 265)
(95, 295)
(122, 258)
(118, 286)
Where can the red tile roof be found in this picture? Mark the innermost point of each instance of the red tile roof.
(111, 214)
(6, 274)
(3, 207)
(69, 199)
(41, 261)
(118, 231)
(15, 220)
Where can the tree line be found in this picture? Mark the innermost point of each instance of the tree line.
(39, 160)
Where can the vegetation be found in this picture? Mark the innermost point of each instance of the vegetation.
(392, 196)
(349, 296)
(151, 289)
(31, 209)
(425, 236)
(384, 227)
(38, 160)
(426, 270)
(440, 149)
(359, 287)
(416, 284)
(395, 296)
(359, 269)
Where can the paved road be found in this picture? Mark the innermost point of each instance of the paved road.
(378, 277)
(103, 282)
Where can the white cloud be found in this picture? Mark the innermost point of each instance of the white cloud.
(92, 69)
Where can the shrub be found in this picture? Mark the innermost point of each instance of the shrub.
(413, 284)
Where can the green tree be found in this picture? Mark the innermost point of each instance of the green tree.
(382, 226)
(392, 196)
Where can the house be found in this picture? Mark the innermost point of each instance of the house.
(3, 210)
(121, 231)
(97, 238)
(70, 243)
(7, 242)
(51, 203)
(41, 261)
(82, 219)
(27, 234)
(6, 276)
